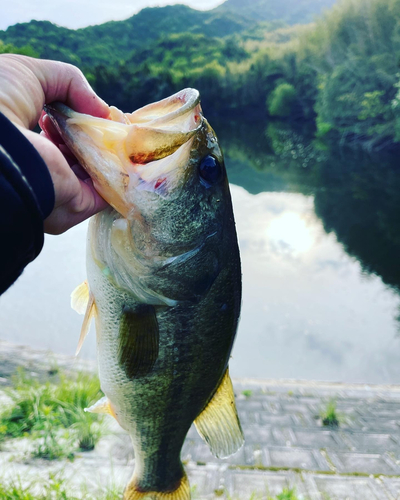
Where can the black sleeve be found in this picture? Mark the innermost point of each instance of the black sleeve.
(26, 199)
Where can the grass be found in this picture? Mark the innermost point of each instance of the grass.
(329, 415)
(247, 393)
(55, 488)
(52, 445)
(88, 430)
(53, 414)
(287, 495)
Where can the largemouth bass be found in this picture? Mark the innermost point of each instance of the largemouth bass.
(164, 282)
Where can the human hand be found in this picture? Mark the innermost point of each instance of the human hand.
(26, 84)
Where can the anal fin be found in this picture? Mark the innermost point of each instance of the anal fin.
(218, 424)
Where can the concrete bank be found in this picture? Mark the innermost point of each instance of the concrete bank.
(286, 442)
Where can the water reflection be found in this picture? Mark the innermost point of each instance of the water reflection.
(309, 310)
(327, 288)
(360, 202)
(290, 232)
(357, 195)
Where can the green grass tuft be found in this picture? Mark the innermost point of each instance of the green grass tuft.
(52, 446)
(329, 416)
(247, 393)
(45, 410)
(286, 494)
(88, 429)
(54, 488)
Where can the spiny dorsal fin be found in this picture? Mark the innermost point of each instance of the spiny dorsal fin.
(90, 312)
(103, 405)
(80, 298)
(218, 424)
(138, 340)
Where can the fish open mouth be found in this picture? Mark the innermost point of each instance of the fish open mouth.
(147, 149)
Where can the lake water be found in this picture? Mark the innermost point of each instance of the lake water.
(319, 234)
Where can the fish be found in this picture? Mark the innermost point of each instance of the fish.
(163, 282)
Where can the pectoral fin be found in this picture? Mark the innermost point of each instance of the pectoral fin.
(82, 301)
(139, 340)
(218, 424)
(80, 298)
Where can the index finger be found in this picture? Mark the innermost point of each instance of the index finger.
(66, 83)
(31, 83)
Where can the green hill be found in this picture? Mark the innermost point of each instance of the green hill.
(114, 41)
(288, 11)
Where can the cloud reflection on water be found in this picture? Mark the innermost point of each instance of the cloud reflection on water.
(308, 309)
(291, 233)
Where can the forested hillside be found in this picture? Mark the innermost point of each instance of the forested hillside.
(113, 42)
(288, 11)
(339, 74)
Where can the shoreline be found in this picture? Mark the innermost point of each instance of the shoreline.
(286, 443)
(12, 354)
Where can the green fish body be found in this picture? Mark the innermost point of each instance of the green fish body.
(164, 282)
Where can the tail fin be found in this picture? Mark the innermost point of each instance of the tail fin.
(181, 492)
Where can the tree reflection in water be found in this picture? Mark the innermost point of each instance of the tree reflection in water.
(356, 196)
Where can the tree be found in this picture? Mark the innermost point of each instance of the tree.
(281, 100)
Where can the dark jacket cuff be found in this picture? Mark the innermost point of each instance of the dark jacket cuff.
(30, 163)
(26, 199)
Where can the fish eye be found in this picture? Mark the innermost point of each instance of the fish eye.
(210, 170)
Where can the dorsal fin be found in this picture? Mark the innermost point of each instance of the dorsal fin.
(218, 424)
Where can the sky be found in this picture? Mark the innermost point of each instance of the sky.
(81, 13)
